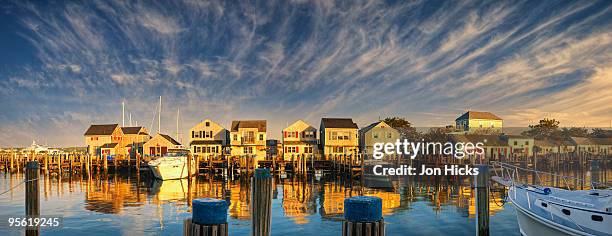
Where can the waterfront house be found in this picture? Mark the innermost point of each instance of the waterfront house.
(208, 138)
(597, 146)
(495, 147)
(273, 147)
(519, 145)
(299, 138)
(97, 136)
(338, 136)
(550, 146)
(248, 137)
(134, 138)
(160, 144)
(377, 132)
(479, 122)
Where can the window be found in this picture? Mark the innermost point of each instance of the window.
(337, 149)
(247, 150)
(248, 136)
(199, 149)
(207, 124)
(291, 134)
(526, 142)
(235, 137)
(309, 134)
(308, 150)
(337, 135)
(193, 134)
(261, 137)
(374, 135)
(389, 134)
(291, 149)
(515, 143)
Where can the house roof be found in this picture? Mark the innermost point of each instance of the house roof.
(167, 137)
(478, 115)
(371, 126)
(205, 142)
(592, 141)
(132, 130)
(258, 124)
(106, 129)
(109, 145)
(487, 140)
(338, 123)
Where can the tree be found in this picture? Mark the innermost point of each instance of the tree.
(574, 132)
(546, 128)
(404, 127)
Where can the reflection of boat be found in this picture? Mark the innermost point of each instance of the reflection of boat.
(175, 189)
(173, 165)
(553, 211)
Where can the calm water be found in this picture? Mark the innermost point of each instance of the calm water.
(123, 204)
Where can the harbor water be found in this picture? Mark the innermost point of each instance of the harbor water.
(132, 204)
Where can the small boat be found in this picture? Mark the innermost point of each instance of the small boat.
(173, 165)
(542, 210)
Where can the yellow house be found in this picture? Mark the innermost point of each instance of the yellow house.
(208, 138)
(520, 145)
(97, 136)
(377, 132)
(494, 146)
(134, 138)
(298, 139)
(160, 145)
(477, 121)
(597, 146)
(248, 137)
(339, 136)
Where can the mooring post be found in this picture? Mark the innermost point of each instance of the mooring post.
(32, 201)
(261, 199)
(363, 216)
(594, 173)
(481, 184)
(209, 218)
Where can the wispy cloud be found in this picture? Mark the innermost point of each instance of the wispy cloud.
(288, 60)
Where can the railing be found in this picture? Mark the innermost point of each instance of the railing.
(512, 173)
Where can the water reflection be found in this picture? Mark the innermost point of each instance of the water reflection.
(296, 201)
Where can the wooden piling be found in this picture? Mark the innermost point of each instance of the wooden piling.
(209, 218)
(481, 185)
(363, 216)
(261, 202)
(32, 201)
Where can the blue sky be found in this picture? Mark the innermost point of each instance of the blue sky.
(65, 65)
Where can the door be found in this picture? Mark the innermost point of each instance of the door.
(152, 151)
(164, 150)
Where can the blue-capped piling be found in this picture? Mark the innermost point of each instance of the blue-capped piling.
(363, 216)
(209, 218)
(261, 199)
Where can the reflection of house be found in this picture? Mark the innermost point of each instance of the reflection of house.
(298, 139)
(494, 146)
(98, 135)
(298, 201)
(598, 146)
(377, 132)
(519, 145)
(208, 137)
(338, 136)
(239, 207)
(134, 139)
(160, 144)
(476, 121)
(112, 197)
(248, 137)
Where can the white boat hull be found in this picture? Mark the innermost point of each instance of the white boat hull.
(532, 226)
(174, 169)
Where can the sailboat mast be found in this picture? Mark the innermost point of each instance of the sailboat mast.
(123, 114)
(159, 116)
(178, 113)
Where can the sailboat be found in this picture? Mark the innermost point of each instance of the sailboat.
(543, 210)
(175, 163)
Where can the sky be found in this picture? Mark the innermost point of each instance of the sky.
(67, 64)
